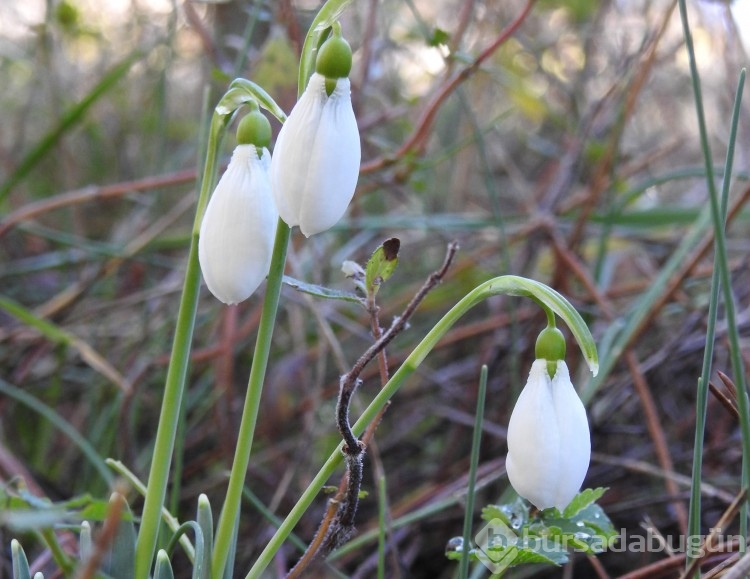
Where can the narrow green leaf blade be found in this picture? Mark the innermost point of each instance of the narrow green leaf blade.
(71, 117)
(163, 566)
(202, 566)
(20, 562)
(583, 500)
(320, 291)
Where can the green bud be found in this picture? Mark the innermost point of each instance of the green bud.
(254, 129)
(550, 346)
(334, 58)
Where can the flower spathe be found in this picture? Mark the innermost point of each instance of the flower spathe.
(549, 445)
(316, 159)
(238, 228)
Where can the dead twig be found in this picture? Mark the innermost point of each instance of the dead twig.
(335, 529)
(417, 139)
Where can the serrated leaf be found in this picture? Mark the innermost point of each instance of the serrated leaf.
(381, 265)
(595, 518)
(529, 555)
(515, 514)
(583, 500)
(320, 291)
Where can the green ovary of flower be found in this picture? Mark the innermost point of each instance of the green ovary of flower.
(254, 129)
(334, 57)
(550, 346)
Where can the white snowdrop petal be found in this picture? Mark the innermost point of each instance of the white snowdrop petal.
(574, 432)
(334, 164)
(533, 459)
(316, 159)
(238, 228)
(549, 445)
(294, 146)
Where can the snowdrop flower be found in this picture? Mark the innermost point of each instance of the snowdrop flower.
(239, 226)
(316, 158)
(549, 445)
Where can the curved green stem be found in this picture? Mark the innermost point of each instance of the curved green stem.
(176, 373)
(507, 284)
(231, 509)
(551, 323)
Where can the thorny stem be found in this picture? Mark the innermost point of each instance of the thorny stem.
(335, 529)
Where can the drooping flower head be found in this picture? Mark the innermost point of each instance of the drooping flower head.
(317, 154)
(549, 445)
(239, 225)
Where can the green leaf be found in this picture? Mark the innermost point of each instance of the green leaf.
(320, 291)
(20, 562)
(242, 91)
(202, 565)
(529, 554)
(583, 500)
(381, 265)
(32, 520)
(438, 37)
(515, 514)
(163, 566)
(138, 485)
(520, 554)
(85, 542)
(595, 518)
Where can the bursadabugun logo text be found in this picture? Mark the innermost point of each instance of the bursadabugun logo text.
(498, 546)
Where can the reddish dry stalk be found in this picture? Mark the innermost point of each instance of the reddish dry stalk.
(679, 277)
(672, 564)
(464, 18)
(341, 509)
(93, 193)
(725, 401)
(367, 36)
(105, 539)
(707, 544)
(417, 139)
(598, 567)
(600, 180)
(656, 432)
(224, 381)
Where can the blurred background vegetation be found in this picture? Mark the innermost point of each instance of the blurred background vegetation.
(570, 155)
